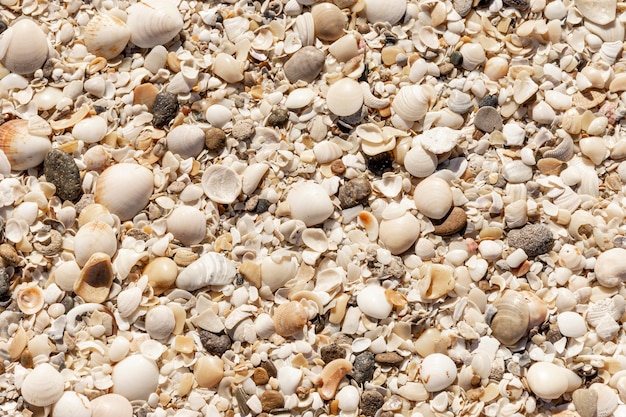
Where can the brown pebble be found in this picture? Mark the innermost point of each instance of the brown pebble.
(488, 119)
(446, 68)
(270, 368)
(371, 402)
(354, 192)
(454, 222)
(337, 167)
(214, 139)
(9, 255)
(389, 358)
(331, 352)
(271, 400)
(260, 376)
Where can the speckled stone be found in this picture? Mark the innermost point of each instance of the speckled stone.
(379, 164)
(535, 239)
(5, 282)
(331, 352)
(354, 192)
(337, 167)
(9, 255)
(215, 344)
(164, 109)
(517, 4)
(453, 223)
(363, 367)
(371, 402)
(278, 118)
(271, 400)
(61, 170)
(214, 139)
(456, 59)
(260, 376)
(489, 100)
(462, 7)
(389, 358)
(243, 130)
(488, 119)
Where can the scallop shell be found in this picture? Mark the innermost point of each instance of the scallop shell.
(22, 149)
(72, 404)
(128, 300)
(610, 267)
(433, 197)
(95, 279)
(305, 27)
(412, 102)
(329, 21)
(187, 224)
(419, 162)
(306, 64)
(106, 36)
(186, 140)
(153, 22)
(607, 399)
(289, 318)
(95, 236)
(345, 97)
(221, 184)
(389, 11)
(160, 322)
(124, 189)
(23, 47)
(111, 405)
(43, 386)
(473, 55)
(510, 323)
(210, 269)
(30, 298)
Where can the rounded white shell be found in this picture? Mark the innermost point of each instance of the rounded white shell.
(221, 184)
(43, 386)
(400, 233)
(438, 372)
(210, 269)
(95, 236)
(153, 22)
(135, 377)
(610, 267)
(124, 189)
(372, 301)
(419, 162)
(345, 97)
(160, 322)
(90, 130)
(22, 150)
(23, 47)
(111, 405)
(106, 36)
(433, 197)
(412, 102)
(310, 203)
(187, 224)
(72, 404)
(390, 11)
(186, 140)
(547, 380)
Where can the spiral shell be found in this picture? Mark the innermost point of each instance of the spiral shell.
(30, 298)
(289, 318)
(106, 36)
(510, 323)
(23, 47)
(210, 269)
(124, 189)
(153, 22)
(22, 149)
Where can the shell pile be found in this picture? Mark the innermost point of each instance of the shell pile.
(375, 208)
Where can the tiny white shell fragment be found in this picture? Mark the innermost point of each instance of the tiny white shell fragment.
(440, 139)
(221, 184)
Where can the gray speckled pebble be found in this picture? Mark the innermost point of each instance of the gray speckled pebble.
(488, 119)
(462, 7)
(61, 170)
(535, 239)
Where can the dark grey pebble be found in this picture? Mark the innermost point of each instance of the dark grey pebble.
(215, 344)
(331, 352)
(462, 7)
(489, 100)
(379, 164)
(164, 109)
(535, 239)
(61, 170)
(5, 282)
(487, 119)
(371, 402)
(278, 118)
(354, 192)
(517, 4)
(363, 367)
(456, 59)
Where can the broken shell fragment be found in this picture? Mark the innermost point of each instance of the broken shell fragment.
(30, 298)
(95, 279)
(331, 376)
(437, 281)
(610, 267)
(221, 184)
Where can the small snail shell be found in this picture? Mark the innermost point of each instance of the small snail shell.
(289, 318)
(510, 323)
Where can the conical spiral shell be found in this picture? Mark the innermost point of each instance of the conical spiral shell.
(153, 22)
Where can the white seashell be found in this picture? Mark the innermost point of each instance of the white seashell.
(542, 113)
(609, 51)
(517, 172)
(299, 98)
(594, 148)
(95, 279)
(389, 11)
(524, 87)
(496, 68)
(609, 32)
(419, 162)
(437, 280)
(428, 36)
(263, 40)
(187, 224)
(120, 195)
(22, 149)
(315, 239)
(607, 399)
(597, 11)
(160, 322)
(43, 386)
(228, 68)
(437, 372)
(459, 102)
(305, 28)
(221, 184)
(412, 102)
(570, 257)
(610, 267)
(252, 176)
(72, 404)
(310, 203)
(276, 272)
(111, 405)
(218, 115)
(327, 151)
(345, 97)
(433, 197)
(607, 328)
(106, 36)
(516, 214)
(473, 55)
(400, 233)
(95, 212)
(373, 302)
(571, 324)
(547, 380)
(370, 100)
(344, 48)
(128, 301)
(153, 22)
(66, 274)
(328, 21)
(30, 298)
(93, 237)
(23, 47)
(186, 140)
(135, 377)
(210, 269)
(439, 140)
(613, 307)
(348, 398)
(90, 130)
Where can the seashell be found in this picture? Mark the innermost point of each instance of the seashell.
(373, 302)
(94, 212)
(153, 22)
(612, 307)
(517, 172)
(90, 130)
(208, 371)
(370, 100)
(263, 40)
(218, 115)
(433, 197)
(570, 257)
(221, 184)
(306, 64)
(344, 48)
(537, 308)
(609, 32)
(161, 274)
(345, 97)
(327, 151)
(437, 280)
(160, 322)
(563, 151)
(610, 267)
(459, 102)
(400, 233)
(331, 376)
(428, 37)
(30, 298)
(120, 196)
(186, 140)
(412, 102)
(310, 203)
(128, 300)
(210, 269)
(496, 68)
(571, 324)
(72, 404)
(187, 224)
(315, 239)
(95, 236)
(106, 36)
(289, 318)
(515, 214)
(23, 47)
(510, 323)
(547, 380)
(276, 272)
(607, 401)
(419, 162)
(609, 51)
(299, 98)
(438, 372)
(597, 11)
(473, 55)
(135, 377)
(329, 21)
(305, 27)
(252, 176)
(43, 386)
(66, 274)
(228, 68)
(440, 140)
(22, 150)
(111, 405)
(594, 148)
(524, 87)
(389, 11)
(95, 279)
(607, 328)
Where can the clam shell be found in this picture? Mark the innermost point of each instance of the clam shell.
(221, 184)
(72, 404)
(160, 322)
(345, 97)
(209, 371)
(228, 68)
(390, 11)
(433, 197)
(412, 102)
(187, 224)
(186, 140)
(399, 234)
(124, 189)
(90, 130)
(95, 279)
(344, 48)
(299, 98)
(305, 28)
(111, 405)
(419, 162)
(373, 302)
(22, 149)
(30, 298)
(106, 36)
(276, 272)
(306, 64)
(473, 55)
(328, 21)
(289, 318)
(93, 237)
(43, 386)
(153, 22)
(210, 269)
(438, 371)
(310, 203)
(510, 323)
(23, 47)
(610, 267)
(547, 380)
(135, 377)
(496, 67)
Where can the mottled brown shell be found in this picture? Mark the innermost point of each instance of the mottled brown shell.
(96, 277)
(510, 323)
(329, 21)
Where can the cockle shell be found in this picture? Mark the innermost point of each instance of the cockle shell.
(389, 11)
(124, 189)
(329, 21)
(433, 197)
(43, 386)
(419, 162)
(473, 55)
(106, 36)
(111, 405)
(72, 404)
(30, 298)
(210, 269)
(135, 377)
(186, 140)
(289, 318)
(209, 371)
(221, 184)
(306, 64)
(610, 267)
(459, 102)
(400, 233)
(160, 322)
(412, 102)
(90, 130)
(187, 224)
(93, 237)
(547, 380)
(305, 28)
(345, 97)
(22, 149)
(153, 22)
(510, 323)
(23, 47)
(310, 203)
(95, 279)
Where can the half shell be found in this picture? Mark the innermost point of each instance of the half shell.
(124, 189)
(106, 36)
(22, 149)
(23, 47)
(153, 22)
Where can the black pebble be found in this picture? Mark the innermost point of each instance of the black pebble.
(61, 170)
(363, 367)
(379, 164)
(5, 282)
(456, 59)
(262, 206)
(490, 100)
(164, 109)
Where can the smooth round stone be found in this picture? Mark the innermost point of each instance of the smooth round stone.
(438, 372)
(547, 380)
(488, 119)
(61, 170)
(135, 377)
(310, 203)
(571, 324)
(373, 302)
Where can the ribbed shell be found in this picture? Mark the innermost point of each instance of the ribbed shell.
(510, 323)
(124, 189)
(153, 22)
(106, 36)
(210, 269)
(22, 149)
(23, 47)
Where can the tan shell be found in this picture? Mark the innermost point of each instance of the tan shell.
(510, 323)
(331, 376)
(329, 21)
(289, 318)
(161, 274)
(209, 371)
(22, 149)
(123, 197)
(96, 278)
(106, 36)
(306, 64)
(437, 281)
(30, 299)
